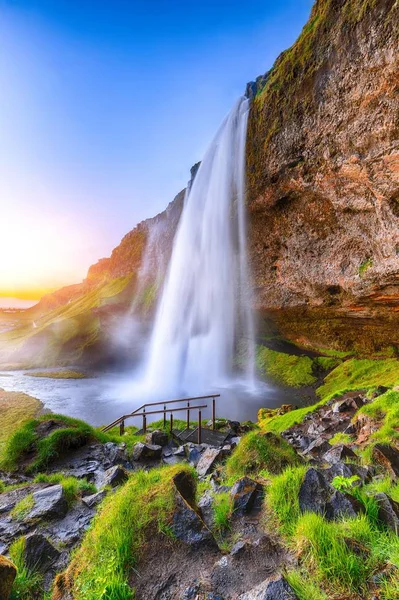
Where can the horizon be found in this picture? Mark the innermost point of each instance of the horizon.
(85, 153)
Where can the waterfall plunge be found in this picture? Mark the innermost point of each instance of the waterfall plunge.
(204, 309)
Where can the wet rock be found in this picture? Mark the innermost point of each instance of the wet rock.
(70, 530)
(318, 446)
(114, 476)
(318, 496)
(187, 525)
(193, 455)
(388, 511)
(276, 589)
(94, 499)
(8, 573)
(208, 461)
(351, 404)
(348, 470)
(339, 453)
(245, 494)
(205, 506)
(157, 438)
(388, 457)
(39, 553)
(146, 452)
(180, 451)
(49, 503)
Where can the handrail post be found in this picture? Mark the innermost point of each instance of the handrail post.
(144, 422)
(188, 415)
(199, 427)
(164, 416)
(213, 414)
(122, 428)
(171, 422)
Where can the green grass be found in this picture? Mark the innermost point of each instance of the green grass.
(23, 508)
(66, 374)
(222, 509)
(111, 549)
(385, 411)
(364, 266)
(286, 369)
(71, 434)
(257, 452)
(340, 438)
(304, 587)
(282, 498)
(351, 375)
(28, 583)
(73, 488)
(326, 363)
(15, 408)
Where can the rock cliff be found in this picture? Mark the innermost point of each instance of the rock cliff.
(323, 180)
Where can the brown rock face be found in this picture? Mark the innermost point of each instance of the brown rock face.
(323, 179)
(8, 572)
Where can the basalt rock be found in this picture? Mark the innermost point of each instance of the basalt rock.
(49, 503)
(387, 457)
(388, 511)
(146, 452)
(276, 589)
(39, 552)
(246, 494)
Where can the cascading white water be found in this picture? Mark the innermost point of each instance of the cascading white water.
(204, 309)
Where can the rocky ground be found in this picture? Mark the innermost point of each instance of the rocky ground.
(221, 539)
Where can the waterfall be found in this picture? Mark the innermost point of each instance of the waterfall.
(203, 315)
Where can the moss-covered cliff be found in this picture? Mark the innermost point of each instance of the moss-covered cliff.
(323, 179)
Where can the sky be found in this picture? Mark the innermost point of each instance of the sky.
(104, 107)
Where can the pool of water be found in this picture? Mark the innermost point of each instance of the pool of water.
(101, 398)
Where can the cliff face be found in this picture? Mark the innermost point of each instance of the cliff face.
(323, 179)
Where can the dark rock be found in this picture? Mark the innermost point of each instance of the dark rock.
(39, 553)
(114, 476)
(318, 446)
(180, 451)
(157, 438)
(238, 548)
(193, 454)
(277, 589)
(245, 494)
(348, 405)
(187, 525)
(205, 506)
(208, 461)
(94, 499)
(70, 530)
(388, 457)
(191, 592)
(49, 503)
(339, 453)
(8, 573)
(388, 511)
(348, 470)
(318, 496)
(146, 452)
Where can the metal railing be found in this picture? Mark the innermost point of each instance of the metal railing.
(143, 413)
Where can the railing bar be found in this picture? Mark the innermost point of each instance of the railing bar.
(170, 410)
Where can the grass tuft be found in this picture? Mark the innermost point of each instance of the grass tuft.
(73, 488)
(28, 583)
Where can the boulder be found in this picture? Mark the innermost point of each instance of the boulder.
(94, 499)
(39, 553)
(341, 469)
(275, 589)
(339, 453)
(114, 476)
(146, 452)
(193, 454)
(157, 438)
(49, 503)
(388, 511)
(318, 496)
(208, 461)
(187, 525)
(8, 573)
(245, 494)
(318, 446)
(388, 457)
(205, 506)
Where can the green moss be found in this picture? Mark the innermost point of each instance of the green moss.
(286, 369)
(25, 442)
(102, 566)
(326, 363)
(357, 374)
(57, 374)
(257, 452)
(365, 265)
(15, 408)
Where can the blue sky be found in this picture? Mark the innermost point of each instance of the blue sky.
(104, 107)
